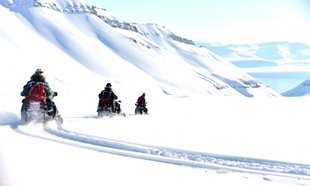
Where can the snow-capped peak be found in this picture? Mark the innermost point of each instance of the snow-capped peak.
(161, 31)
(68, 6)
(83, 7)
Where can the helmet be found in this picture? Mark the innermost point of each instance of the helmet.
(38, 71)
(108, 85)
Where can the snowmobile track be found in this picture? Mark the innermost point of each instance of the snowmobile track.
(222, 163)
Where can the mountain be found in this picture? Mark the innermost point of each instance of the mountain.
(280, 65)
(302, 89)
(276, 53)
(49, 33)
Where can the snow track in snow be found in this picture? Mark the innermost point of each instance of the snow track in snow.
(220, 163)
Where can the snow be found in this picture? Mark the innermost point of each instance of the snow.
(194, 135)
(112, 150)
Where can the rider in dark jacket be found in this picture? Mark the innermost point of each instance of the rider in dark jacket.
(141, 101)
(112, 97)
(141, 104)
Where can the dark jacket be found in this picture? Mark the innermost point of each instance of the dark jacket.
(141, 101)
(109, 91)
(34, 79)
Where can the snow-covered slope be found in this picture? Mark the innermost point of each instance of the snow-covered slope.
(146, 57)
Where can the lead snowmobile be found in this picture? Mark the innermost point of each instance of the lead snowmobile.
(37, 112)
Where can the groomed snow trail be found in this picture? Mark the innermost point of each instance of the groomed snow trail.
(300, 173)
(189, 158)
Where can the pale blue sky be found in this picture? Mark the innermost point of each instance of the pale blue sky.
(220, 20)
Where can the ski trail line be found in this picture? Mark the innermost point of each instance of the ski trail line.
(190, 158)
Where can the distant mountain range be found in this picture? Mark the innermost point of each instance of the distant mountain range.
(274, 52)
(302, 89)
(278, 60)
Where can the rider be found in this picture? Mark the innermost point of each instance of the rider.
(38, 77)
(110, 94)
(142, 103)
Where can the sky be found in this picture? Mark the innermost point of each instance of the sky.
(225, 21)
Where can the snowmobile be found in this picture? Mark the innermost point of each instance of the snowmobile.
(140, 109)
(37, 112)
(104, 111)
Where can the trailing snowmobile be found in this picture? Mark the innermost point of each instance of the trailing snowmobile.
(141, 105)
(141, 109)
(37, 112)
